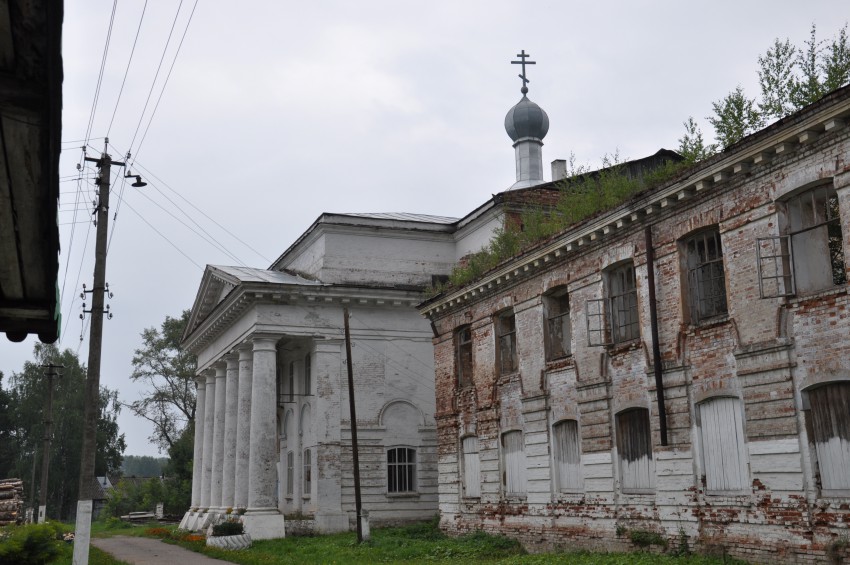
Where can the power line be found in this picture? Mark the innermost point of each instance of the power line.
(163, 236)
(127, 70)
(100, 75)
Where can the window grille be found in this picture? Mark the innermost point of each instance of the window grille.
(307, 474)
(463, 356)
(401, 470)
(706, 279)
(506, 328)
(622, 296)
(558, 335)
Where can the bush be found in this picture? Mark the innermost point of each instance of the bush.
(228, 528)
(645, 538)
(31, 544)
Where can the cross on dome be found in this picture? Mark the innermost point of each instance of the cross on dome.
(523, 62)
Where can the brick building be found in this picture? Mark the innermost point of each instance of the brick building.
(678, 365)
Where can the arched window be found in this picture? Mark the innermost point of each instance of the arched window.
(401, 470)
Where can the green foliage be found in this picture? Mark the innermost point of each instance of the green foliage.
(143, 466)
(735, 116)
(25, 428)
(683, 547)
(30, 544)
(646, 538)
(169, 373)
(228, 528)
(809, 86)
(776, 78)
(835, 62)
(692, 147)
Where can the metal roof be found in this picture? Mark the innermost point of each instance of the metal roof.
(402, 216)
(249, 275)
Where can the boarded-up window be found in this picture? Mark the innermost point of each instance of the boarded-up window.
(401, 470)
(290, 473)
(830, 419)
(308, 473)
(506, 333)
(706, 280)
(723, 448)
(558, 335)
(463, 356)
(308, 375)
(567, 455)
(622, 297)
(513, 460)
(471, 467)
(634, 448)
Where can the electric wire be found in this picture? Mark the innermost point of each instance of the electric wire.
(163, 236)
(100, 75)
(127, 70)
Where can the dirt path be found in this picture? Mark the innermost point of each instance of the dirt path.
(146, 551)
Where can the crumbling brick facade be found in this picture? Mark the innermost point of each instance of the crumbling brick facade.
(754, 388)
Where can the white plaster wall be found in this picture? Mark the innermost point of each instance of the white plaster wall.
(477, 235)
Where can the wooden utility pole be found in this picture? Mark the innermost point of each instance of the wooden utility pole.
(82, 534)
(358, 505)
(48, 436)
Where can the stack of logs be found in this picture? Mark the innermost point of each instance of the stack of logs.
(11, 501)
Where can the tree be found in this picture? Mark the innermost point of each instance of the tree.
(835, 62)
(808, 87)
(776, 78)
(691, 145)
(8, 445)
(168, 372)
(735, 116)
(26, 404)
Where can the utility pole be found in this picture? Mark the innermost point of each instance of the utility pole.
(82, 534)
(358, 505)
(48, 436)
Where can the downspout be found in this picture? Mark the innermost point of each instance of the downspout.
(656, 348)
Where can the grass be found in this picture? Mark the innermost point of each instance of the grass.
(422, 543)
(96, 557)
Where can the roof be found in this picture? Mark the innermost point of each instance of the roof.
(250, 275)
(31, 99)
(403, 216)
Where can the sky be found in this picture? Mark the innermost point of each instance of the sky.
(277, 111)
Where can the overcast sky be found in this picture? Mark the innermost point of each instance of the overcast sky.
(277, 111)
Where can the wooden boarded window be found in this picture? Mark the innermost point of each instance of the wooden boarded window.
(401, 470)
(567, 455)
(558, 335)
(622, 299)
(506, 334)
(307, 475)
(471, 467)
(634, 448)
(513, 464)
(463, 356)
(706, 279)
(724, 453)
(290, 473)
(830, 421)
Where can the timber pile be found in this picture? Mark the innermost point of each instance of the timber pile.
(11, 501)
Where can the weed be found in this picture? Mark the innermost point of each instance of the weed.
(646, 538)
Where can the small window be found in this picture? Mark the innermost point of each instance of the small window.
(401, 470)
(513, 464)
(506, 333)
(810, 257)
(558, 335)
(291, 381)
(723, 448)
(614, 319)
(706, 280)
(567, 455)
(307, 475)
(290, 473)
(830, 423)
(463, 356)
(308, 376)
(634, 448)
(471, 467)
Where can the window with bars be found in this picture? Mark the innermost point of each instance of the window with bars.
(463, 356)
(506, 335)
(706, 279)
(829, 417)
(307, 473)
(558, 335)
(724, 457)
(634, 449)
(614, 319)
(810, 256)
(513, 464)
(471, 467)
(566, 447)
(401, 470)
(290, 473)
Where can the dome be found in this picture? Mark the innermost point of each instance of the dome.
(526, 119)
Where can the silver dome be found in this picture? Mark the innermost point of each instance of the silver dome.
(526, 119)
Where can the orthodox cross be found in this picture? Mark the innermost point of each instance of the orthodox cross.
(523, 62)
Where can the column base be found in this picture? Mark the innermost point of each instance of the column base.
(205, 518)
(188, 518)
(328, 523)
(264, 523)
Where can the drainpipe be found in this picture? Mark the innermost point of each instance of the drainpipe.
(656, 348)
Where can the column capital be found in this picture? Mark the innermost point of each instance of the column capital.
(265, 342)
(246, 351)
(210, 377)
(220, 369)
(200, 381)
(231, 359)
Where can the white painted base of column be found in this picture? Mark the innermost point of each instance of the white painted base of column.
(327, 523)
(188, 518)
(42, 511)
(82, 532)
(207, 519)
(264, 523)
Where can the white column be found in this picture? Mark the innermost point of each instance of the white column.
(263, 519)
(218, 437)
(198, 456)
(243, 425)
(228, 484)
(206, 459)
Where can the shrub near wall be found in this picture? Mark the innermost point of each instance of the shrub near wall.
(32, 544)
